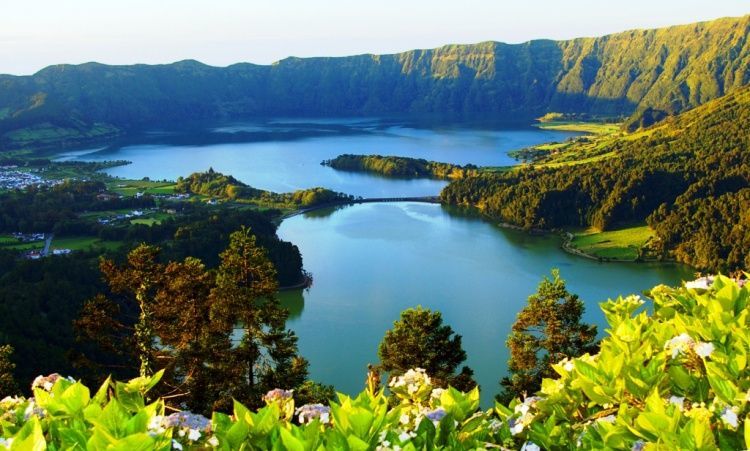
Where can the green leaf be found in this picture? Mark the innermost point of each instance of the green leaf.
(135, 442)
(290, 442)
(75, 398)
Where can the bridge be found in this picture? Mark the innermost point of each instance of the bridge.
(364, 200)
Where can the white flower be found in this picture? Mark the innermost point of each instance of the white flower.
(516, 426)
(568, 365)
(679, 401)
(176, 445)
(404, 419)
(730, 417)
(704, 349)
(530, 446)
(213, 441)
(608, 419)
(404, 436)
(6, 442)
(704, 283)
(523, 409)
(194, 435)
(679, 344)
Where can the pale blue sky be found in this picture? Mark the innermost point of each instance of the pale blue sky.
(37, 33)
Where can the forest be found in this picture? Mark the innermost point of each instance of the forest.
(400, 166)
(216, 184)
(688, 177)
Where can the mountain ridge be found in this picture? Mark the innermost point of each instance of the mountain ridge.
(667, 69)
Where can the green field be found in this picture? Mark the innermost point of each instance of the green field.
(623, 244)
(131, 187)
(8, 243)
(595, 128)
(81, 243)
(150, 219)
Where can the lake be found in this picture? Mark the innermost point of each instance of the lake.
(371, 261)
(285, 155)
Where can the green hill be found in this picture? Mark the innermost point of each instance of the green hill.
(688, 177)
(668, 70)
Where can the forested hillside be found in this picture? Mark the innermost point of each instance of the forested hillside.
(668, 70)
(689, 177)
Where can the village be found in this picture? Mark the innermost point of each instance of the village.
(12, 178)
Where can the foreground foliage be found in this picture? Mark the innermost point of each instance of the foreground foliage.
(676, 378)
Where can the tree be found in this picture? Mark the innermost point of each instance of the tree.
(244, 293)
(218, 334)
(7, 381)
(547, 330)
(420, 340)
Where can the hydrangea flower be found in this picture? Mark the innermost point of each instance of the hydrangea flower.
(679, 344)
(704, 349)
(310, 412)
(530, 446)
(45, 382)
(729, 416)
(678, 401)
(277, 394)
(703, 283)
(436, 415)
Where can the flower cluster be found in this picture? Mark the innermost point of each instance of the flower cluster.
(525, 413)
(47, 382)
(186, 426)
(683, 344)
(283, 399)
(312, 412)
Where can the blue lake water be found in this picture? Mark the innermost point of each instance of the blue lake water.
(284, 156)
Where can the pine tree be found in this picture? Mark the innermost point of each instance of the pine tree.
(420, 340)
(547, 330)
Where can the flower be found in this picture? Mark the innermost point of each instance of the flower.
(678, 401)
(6, 442)
(176, 445)
(638, 446)
(404, 436)
(530, 446)
(45, 382)
(516, 426)
(436, 415)
(679, 344)
(730, 417)
(194, 435)
(608, 419)
(704, 349)
(186, 420)
(277, 394)
(703, 283)
(213, 441)
(310, 412)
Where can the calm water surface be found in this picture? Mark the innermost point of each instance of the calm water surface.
(371, 261)
(284, 156)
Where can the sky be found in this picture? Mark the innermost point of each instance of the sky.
(38, 33)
